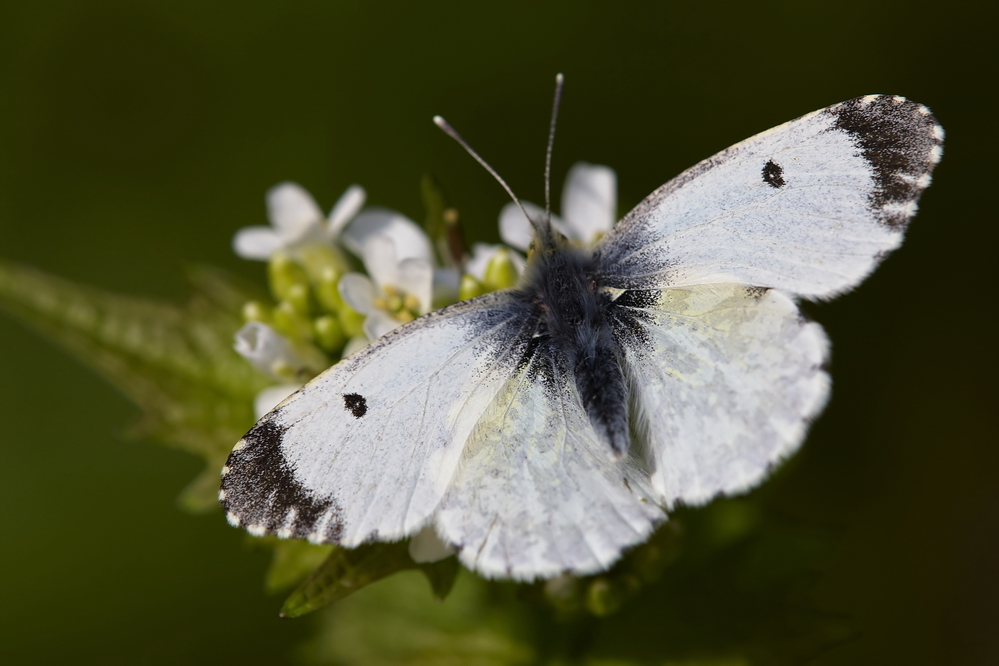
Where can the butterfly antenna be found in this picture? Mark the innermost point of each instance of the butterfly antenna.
(559, 81)
(453, 133)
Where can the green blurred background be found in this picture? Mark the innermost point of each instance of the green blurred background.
(136, 137)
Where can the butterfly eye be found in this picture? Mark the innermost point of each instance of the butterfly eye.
(773, 174)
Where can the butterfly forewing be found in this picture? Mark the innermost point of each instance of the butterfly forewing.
(367, 450)
(809, 207)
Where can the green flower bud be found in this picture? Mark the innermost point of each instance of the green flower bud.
(469, 288)
(319, 259)
(328, 291)
(328, 333)
(284, 273)
(501, 272)
(351, 321)
(256, 311)
(299, 297)
(291, 323)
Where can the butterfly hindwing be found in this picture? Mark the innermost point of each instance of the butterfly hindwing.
(809, 207)
(367, 450)
(724, 381)
(537, 492)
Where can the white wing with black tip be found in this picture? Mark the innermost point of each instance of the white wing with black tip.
(537, 492)
(809, 207)
(725, 380)
(367, 450)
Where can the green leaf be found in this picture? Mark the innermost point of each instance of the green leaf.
(396, 623)
(175, 362)
(292, 562)
(347, 570)
(441, 575)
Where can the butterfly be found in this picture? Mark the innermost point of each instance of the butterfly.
(546, 428)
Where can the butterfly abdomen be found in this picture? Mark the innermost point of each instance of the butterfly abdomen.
(560, 282)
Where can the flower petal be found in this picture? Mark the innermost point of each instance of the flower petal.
(359, 292)
(481, 254)
(378, 324)
(589, 202)
(265, 348)
(416, 277)
(255, 243)
(347, 207)
(271, 397)
(292, 211)
(516, 231)
(380, 257)
(410, 240)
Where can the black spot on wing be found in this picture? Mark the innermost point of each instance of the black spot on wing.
(355, 404)
(773, 174)
(259, 488)
(901, 141)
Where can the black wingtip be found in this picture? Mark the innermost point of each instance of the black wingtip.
(902, 142)
(260, 493)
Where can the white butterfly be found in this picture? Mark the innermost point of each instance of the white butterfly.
(547, 428)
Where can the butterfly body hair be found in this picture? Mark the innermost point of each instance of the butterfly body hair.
(560, 281)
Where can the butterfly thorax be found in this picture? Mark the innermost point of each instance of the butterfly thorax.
(560, 282)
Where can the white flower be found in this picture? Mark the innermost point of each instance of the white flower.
(589, 209)
(399, 258)
(409, 238)
(296, 221)
(269, 351)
